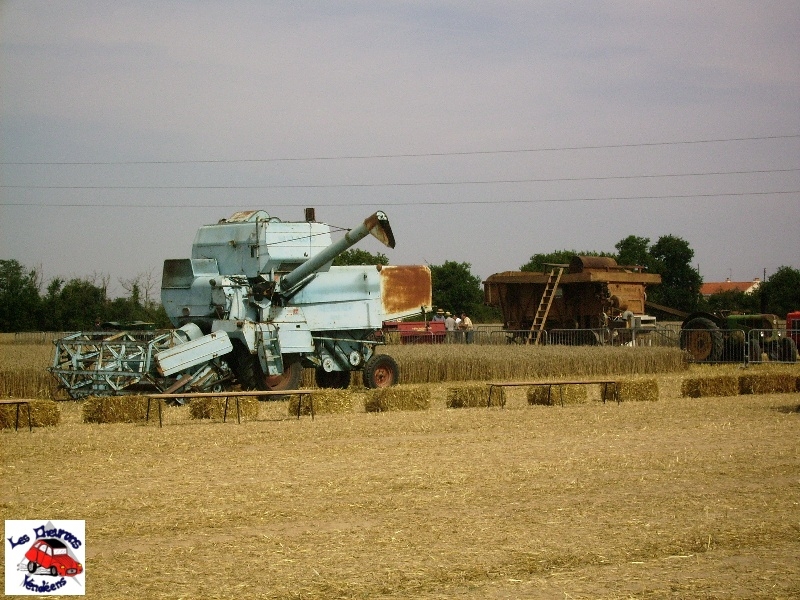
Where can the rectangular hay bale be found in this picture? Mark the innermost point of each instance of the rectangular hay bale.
(636, 390)
(556, 394)
(767, 383)
(115, 409)
(326, 401)
(472, 396)
(214, 408)
(717, 385)
(398, 397)
(44, 413)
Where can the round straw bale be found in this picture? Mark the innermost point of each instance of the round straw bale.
(114, 409)
(214, 408)
(44, 413)
(471, 396)
(398, 397)
(557, 394)
(637, 390)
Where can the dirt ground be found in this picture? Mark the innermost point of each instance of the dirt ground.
(680, 498)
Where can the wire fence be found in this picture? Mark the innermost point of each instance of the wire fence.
(701, 345)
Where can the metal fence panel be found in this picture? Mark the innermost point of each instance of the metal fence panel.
(772, 346)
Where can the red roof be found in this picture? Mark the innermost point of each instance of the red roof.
(747, 287)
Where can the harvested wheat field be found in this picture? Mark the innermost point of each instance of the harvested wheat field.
(676, 498)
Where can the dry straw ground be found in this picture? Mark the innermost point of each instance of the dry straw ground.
(679, 498)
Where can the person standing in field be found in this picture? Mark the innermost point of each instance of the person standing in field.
(466, 327)
(450, 328)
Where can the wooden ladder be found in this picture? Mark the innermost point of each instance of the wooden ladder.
(544, 305)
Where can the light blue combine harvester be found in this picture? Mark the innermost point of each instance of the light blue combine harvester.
(256, 303)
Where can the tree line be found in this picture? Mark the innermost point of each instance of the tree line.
(82, 303)
(72, 305)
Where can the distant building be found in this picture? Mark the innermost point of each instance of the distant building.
(748, 287)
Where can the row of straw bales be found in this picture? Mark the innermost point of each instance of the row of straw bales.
(733, 384)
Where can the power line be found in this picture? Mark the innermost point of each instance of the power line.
(420, 203)
(401, 155)
(396, 184)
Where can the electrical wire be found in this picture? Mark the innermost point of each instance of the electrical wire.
(417, 203)
(391, 184)
(403, 155)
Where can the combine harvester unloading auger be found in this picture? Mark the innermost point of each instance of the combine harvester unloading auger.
(256, 303)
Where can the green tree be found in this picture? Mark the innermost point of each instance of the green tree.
(356, 256)
(19, 297)
(634, 250)
(780, 294)
(671, 257)
(74, 305)
(457, 290)
(734, 300)
(538, 262)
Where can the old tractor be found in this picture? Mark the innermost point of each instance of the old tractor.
(729, 337)
(256, 303)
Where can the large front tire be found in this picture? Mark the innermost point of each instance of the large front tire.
(381, 371)
(251, 377)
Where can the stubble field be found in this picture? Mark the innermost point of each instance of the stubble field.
(680, 498)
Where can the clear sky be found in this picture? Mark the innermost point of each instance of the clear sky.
(487, 131)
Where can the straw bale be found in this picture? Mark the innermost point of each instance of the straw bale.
(568, 394)
(637, 390)
(398, 397)
(115, 409)
(326, 401)
(44, 413)
(767, 383)
(214, 408)
(718, 385)
(471, 396)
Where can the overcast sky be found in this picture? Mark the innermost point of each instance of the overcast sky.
(487, 131)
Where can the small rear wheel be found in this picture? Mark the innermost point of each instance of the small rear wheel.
(32, 566)
(381, 371)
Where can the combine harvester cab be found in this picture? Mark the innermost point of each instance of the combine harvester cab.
(256, 303)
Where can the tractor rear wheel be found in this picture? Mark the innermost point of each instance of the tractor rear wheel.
(381, 371)
(702, 339)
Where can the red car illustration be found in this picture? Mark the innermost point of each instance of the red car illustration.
(52, 554)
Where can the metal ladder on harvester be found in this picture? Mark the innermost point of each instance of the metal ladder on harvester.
(544, 306)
